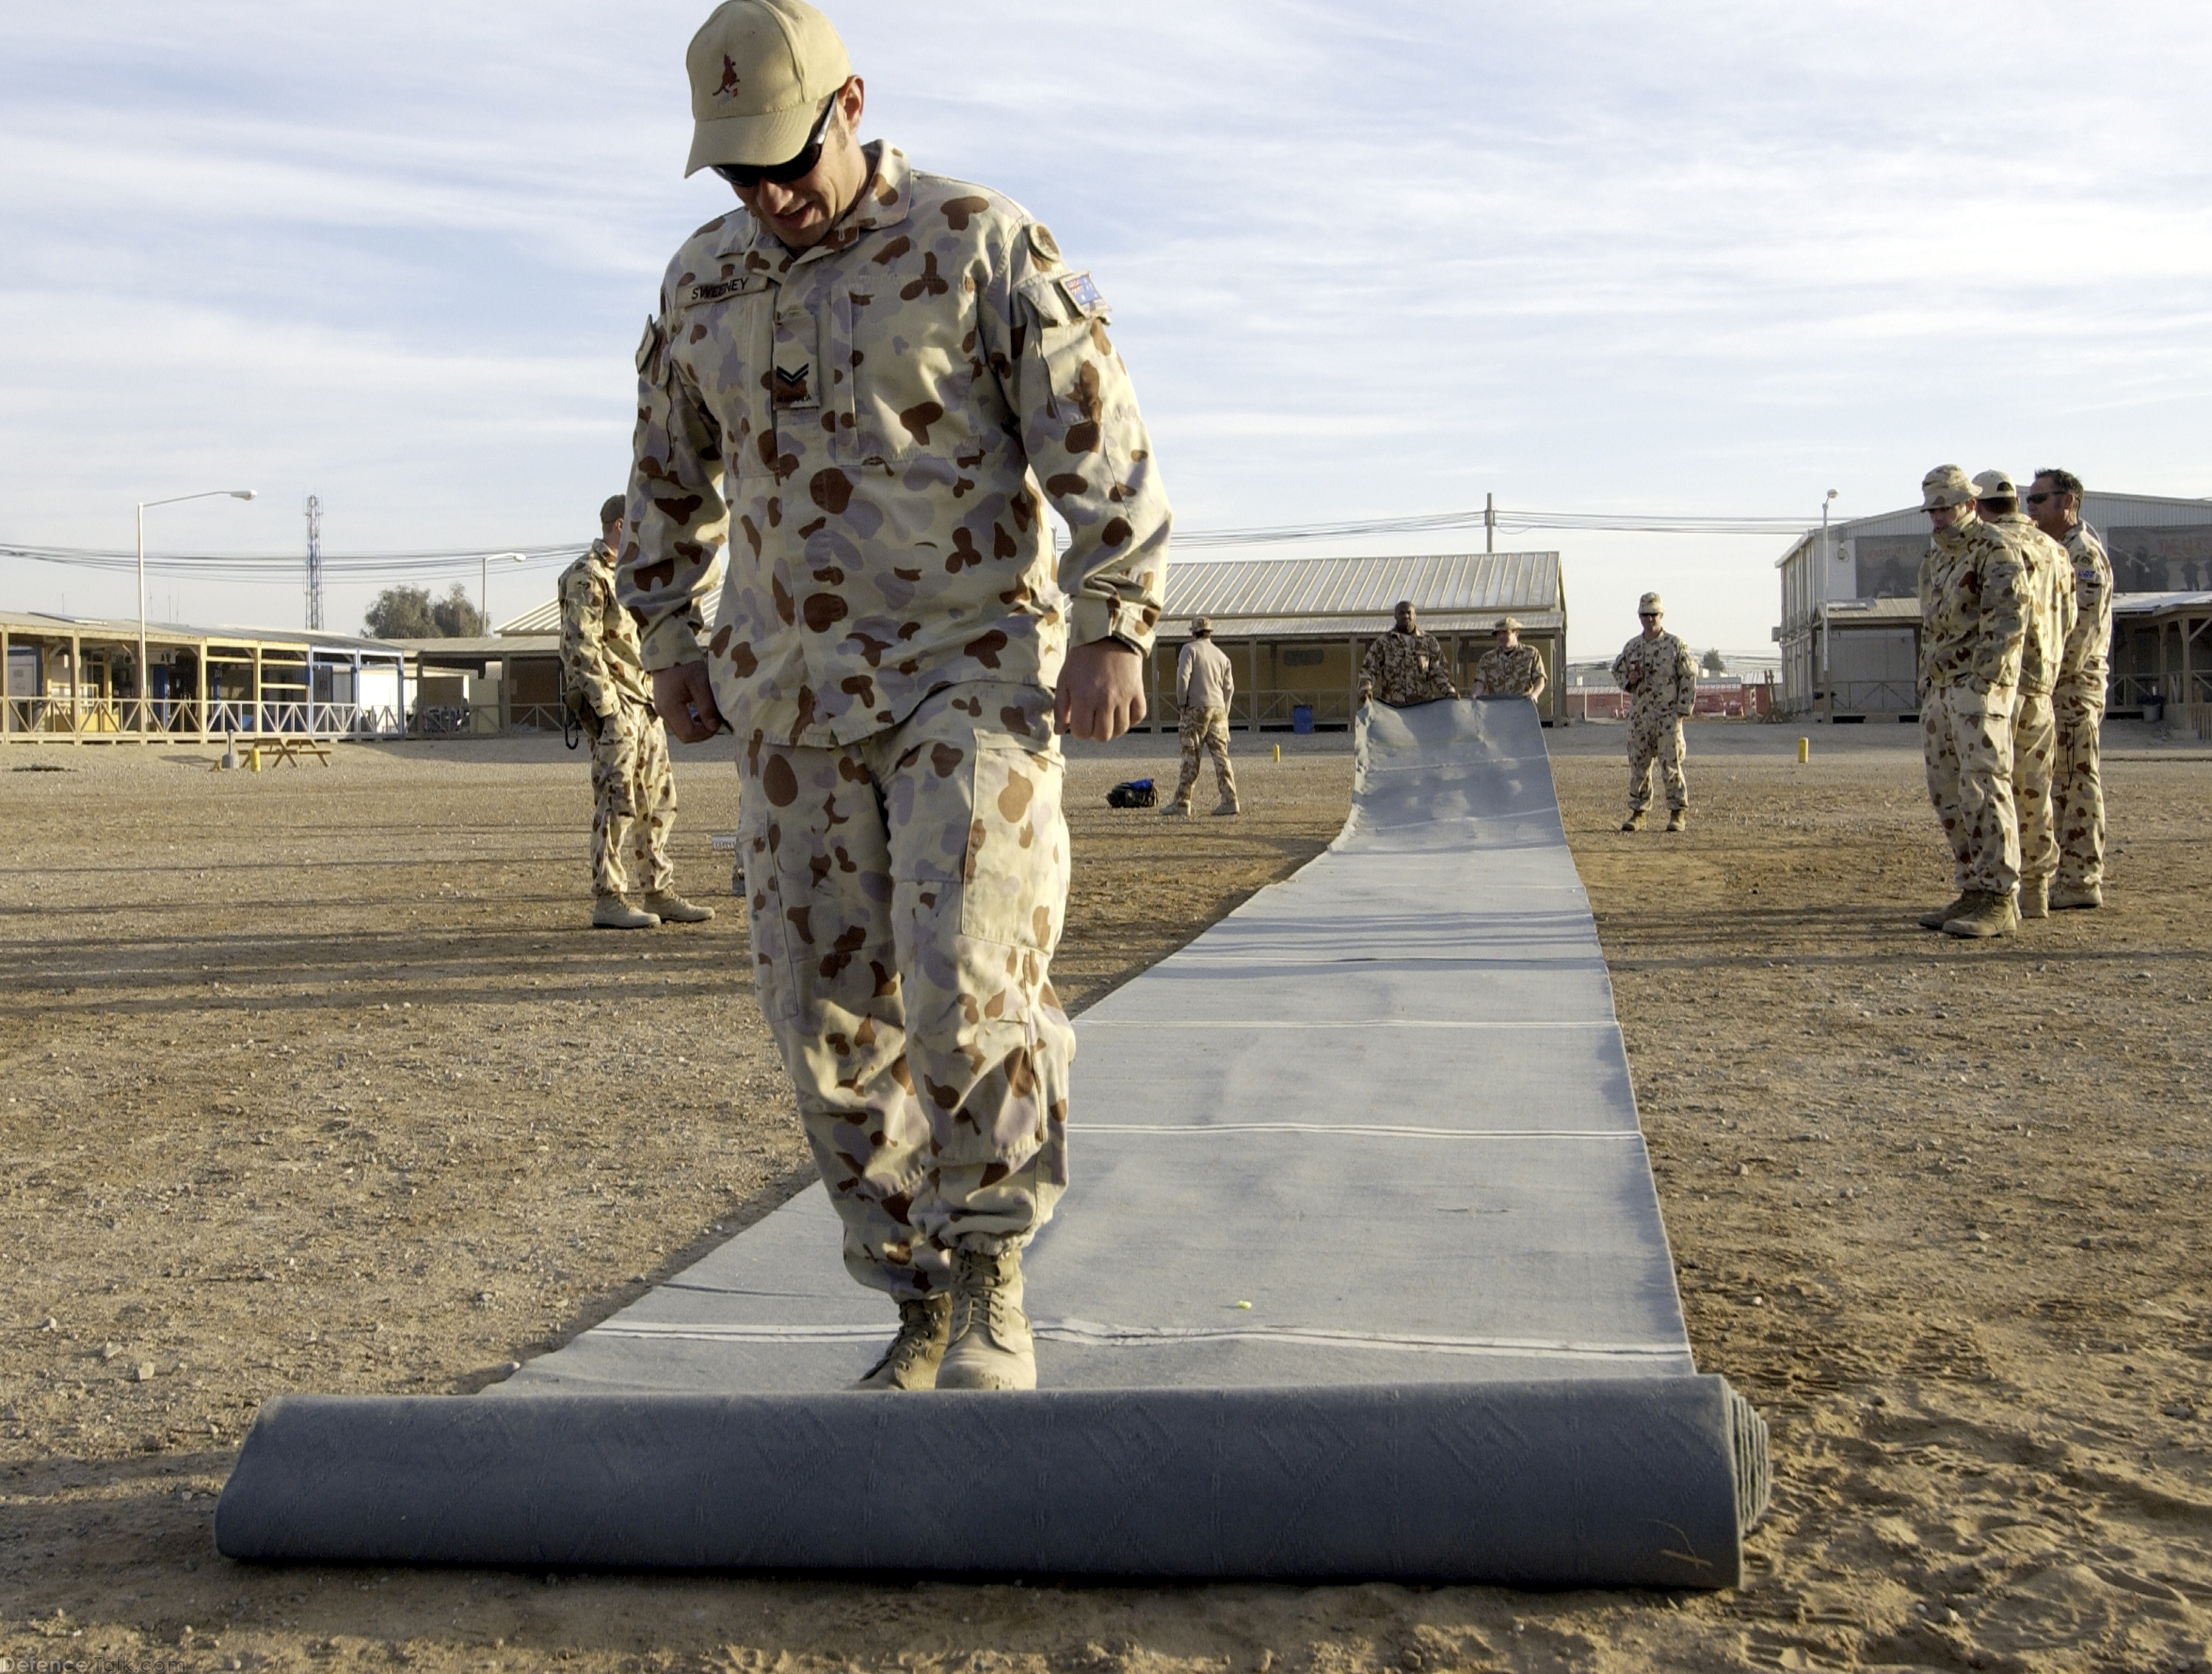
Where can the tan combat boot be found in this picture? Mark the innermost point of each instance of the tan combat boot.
(1943, 916)
(1634, 822)
(1176, 810)
(991, 1347)
(1227, 805)
(2035, 897)
(911, 1361)
(612, 912)
(2065, 897)
(1984, 915)
(1677, 819)
(673, 909)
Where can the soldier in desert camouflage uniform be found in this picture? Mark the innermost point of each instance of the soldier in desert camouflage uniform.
(2077, 698)
(1204, 687)
(633, 786)
(2048, 577)
(1660, 675)
(1973, 630)
(861, 388)
(1509, 668)
(1405, 665)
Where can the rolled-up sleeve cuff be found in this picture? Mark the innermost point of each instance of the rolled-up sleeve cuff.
(672, 642)
(1130, 621)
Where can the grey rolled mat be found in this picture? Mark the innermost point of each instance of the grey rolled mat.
(1361, 1274)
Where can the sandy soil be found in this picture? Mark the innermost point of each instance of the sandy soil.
(315, 1080)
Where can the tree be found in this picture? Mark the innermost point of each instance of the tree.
(1712, 664)
(409, 613)
(403, 613)
(456, 618)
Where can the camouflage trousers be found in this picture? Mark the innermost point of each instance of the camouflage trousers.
(1968, 738)
(1656, 737)
(2035, 748)
(905, 893)
(2077, 791)
(1205, 730)
(633, 802)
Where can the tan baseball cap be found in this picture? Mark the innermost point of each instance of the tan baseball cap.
(1994, 485)
(1946, 485)
(1651, 603)
(760, 72)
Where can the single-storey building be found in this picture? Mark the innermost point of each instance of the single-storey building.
(73, 679)
(1295, 629)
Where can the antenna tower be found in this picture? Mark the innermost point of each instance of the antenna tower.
(314, 563)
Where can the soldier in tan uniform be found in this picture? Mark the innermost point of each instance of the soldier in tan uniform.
(1204, 687)
(2077, 698)
(1509, 668)
(633, 786)
(861, 388)
(1973, 631)
(1660, 675)
(2048, 575)
(1405, 665)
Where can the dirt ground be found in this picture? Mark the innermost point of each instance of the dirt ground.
(315, 1080)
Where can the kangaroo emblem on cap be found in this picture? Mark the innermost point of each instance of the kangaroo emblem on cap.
(729, 88)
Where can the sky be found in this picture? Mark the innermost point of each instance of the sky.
(1365, 261)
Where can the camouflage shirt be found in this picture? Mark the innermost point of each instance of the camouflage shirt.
(1972, 610)
(2050, 578)
(1401, 669)
(869, 429)
(599, 639)
(2085, 668)
(1511, 671)
(1660, 676)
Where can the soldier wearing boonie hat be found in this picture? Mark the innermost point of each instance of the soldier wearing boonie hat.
(1509, 668)
(1204, 687)
(1660, 675)
(2049, 576)
(1973, 629)
(861, 388)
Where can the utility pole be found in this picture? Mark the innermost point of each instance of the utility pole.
(1489, 522)
(314, 564)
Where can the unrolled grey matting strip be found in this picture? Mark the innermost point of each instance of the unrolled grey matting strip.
(1360, 1273)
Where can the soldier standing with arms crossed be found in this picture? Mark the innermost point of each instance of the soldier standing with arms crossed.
(1973, 607)
(2077, 699)
(1204, 687)
(2048, 575)
(632, 784)
(1660, 675)
(1509, 668)
(855, 387)
(1405, 665)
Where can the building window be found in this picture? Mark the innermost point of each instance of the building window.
(1302, 656)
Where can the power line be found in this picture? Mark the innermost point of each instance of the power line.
(408, 566)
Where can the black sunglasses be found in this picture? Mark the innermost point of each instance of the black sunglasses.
(745, 176)
(2039, 499)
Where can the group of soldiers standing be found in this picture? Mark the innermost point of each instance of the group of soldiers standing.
(2015, 632)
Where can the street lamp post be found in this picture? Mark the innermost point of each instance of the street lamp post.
(145, 671)
(484, 581)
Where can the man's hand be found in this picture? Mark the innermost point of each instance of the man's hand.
(685, 697)
(1102, 692)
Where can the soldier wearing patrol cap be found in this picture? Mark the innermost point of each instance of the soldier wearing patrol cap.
(1204, 687)
(1660, 675)
(2048, 575)
(1509, 668)
(861, 388)
(1973, 630)
(632, 783)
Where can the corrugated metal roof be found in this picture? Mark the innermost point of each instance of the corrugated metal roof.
(116, 628)
(2099, 511)
(1456, 592)
(2158, 604)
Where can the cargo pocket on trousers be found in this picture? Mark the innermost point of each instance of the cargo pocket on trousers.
(1013, 877)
